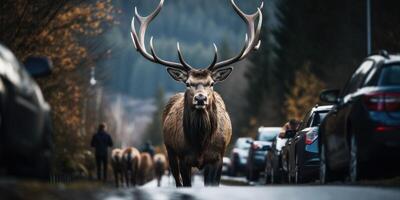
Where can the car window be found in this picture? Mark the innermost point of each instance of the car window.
(358, 78)
(390, 75)
(309, 120)
(304, 123)
(268, 135)
(242, 144)
(318, 117)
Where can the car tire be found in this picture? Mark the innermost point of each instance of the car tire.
(272, 176)
(267, 176)
(325, 174)
(354, 163)
(298, 175)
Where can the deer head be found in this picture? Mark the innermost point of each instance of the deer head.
(199, 82)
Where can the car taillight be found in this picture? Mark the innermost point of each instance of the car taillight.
(311, 136)
(382, 101)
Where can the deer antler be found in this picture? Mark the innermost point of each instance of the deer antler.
(251, 43)
(138, 40)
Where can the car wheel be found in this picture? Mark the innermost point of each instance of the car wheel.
(233, 170)
(354, 165)
(272, 175)
(324, 172)
(267, 176)
(297, 178)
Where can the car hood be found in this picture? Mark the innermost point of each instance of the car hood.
(241, 152)
(262, 143)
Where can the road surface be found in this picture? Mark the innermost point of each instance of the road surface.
(89, 190)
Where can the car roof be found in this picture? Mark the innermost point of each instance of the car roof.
(322, 108)
(262, 128)
(385, 58)
(244, 138)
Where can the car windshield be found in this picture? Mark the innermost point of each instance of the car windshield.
(390, 75)
(268, 134)
(318, 117)
(243, 144)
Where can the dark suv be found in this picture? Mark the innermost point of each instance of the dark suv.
(360, 136)
(258, 151)
(25, 125)
(303, 156)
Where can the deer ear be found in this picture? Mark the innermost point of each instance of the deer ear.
(178, 75)
(220, 75)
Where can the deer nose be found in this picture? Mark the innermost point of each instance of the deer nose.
(200, 98)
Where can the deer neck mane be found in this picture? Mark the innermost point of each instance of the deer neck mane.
(198, 125)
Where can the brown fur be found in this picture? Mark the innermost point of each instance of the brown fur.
(160, 165)
(117, 165)
(131, 159)
(145, 172)
(196, 138)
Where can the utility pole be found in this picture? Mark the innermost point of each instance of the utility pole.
(369, 27)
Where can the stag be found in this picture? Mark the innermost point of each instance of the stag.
(196, 125)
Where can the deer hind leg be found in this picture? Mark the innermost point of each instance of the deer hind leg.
(174, 166)
(126, 176)
(116, 178)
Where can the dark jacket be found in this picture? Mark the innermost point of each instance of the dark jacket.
(101, 141)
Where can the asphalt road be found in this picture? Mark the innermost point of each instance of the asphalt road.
(90, 190)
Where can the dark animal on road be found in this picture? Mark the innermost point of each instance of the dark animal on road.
(145, 172)
(160, 165)
(196, 125)
(117, 166)
(131, 162)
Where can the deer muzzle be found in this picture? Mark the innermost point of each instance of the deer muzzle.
(200, 101)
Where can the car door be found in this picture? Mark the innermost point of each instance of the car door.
(336, 124)
(26, 117)
(297, 140)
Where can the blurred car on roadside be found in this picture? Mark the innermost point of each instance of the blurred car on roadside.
(258, 151)
(239, 155)
(26, 133)
(226, 166)
(273, 166)
(303, 157)
(360, 136)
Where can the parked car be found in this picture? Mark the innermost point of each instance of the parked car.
(360, 136)
(239, 155)
(226, 166)
(26, 135)
(303, 158)
(273, 167)
(258, 151)
(285, 156)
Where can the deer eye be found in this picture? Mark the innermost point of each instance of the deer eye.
(212, 84)
(187, 84)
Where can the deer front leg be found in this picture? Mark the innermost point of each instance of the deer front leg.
(186, 172)
(174, 165)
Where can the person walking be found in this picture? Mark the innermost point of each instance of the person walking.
(292, 125)
(148, 148)
(101, 141)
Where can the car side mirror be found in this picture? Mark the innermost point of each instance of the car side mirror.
(38, 66)
(329, 96)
